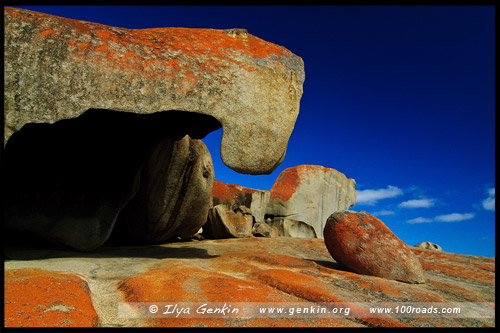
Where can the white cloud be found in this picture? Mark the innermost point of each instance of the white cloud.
(453, 217)
(384, 212)
(417, 203)
(489, 202)
(370, 197)
(419, 220)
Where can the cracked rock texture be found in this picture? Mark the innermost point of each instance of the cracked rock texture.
(57, 68)
(254, 270)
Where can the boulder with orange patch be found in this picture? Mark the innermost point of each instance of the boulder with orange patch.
(310, 193)
(364, 244)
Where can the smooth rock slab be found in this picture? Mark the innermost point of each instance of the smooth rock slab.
(364, 244)
(41, 298)
(257, 270)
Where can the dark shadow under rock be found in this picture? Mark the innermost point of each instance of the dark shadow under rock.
(67, 182)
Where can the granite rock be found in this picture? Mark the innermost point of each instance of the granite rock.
(429, 246)
(255, 271)
(58, 68)
(71, 191)
(310, 193)
(233, 196)
(174, 195)
(364, 244)
(292, 228)
(262, 229)
(224, 222)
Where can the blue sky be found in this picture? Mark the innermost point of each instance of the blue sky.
(399, 98)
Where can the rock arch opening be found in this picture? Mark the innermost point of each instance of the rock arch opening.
(68, 182)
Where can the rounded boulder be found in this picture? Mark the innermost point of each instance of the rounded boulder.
(365, 245)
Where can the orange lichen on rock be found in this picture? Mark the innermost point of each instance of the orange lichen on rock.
(154, 45)
(230, 194)
(41, 298)
(298, 284)
(460, 271)
(290, 178)
(364, 244)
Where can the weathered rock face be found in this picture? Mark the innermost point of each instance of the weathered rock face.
(224, 222)
(57, 68)
(429, 246)
(174, 194)
(364, 244)
(262, 229)
(233, 196)
(68, 181)
(292, 228)
(76, 142)
(257, 271)
(310, 193)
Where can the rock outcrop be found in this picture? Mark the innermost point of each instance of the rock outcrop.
(310, 193)
(292, 228)
(57, 68)
(262, 229)
(233, 196)
(429, 246)
(256, 271)
(364, 244)
(224, 222)
(69, 181)
(174, 195)
(86, 106)
(40, 298)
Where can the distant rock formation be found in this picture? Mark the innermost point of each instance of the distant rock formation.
(224, 222)
(298, 203)
(262, 229)
(233, 196)
(292, 228)
(364, 244)
(310, 194)
(86, 104)
(429, 246)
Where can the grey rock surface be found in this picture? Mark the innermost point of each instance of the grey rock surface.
(311, 193)
(224, 222)
(292, 228)
(429, 246)
(174, 194)
(57, 68)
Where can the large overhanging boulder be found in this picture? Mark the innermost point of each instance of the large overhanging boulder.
(102, 125)
(57, 68)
